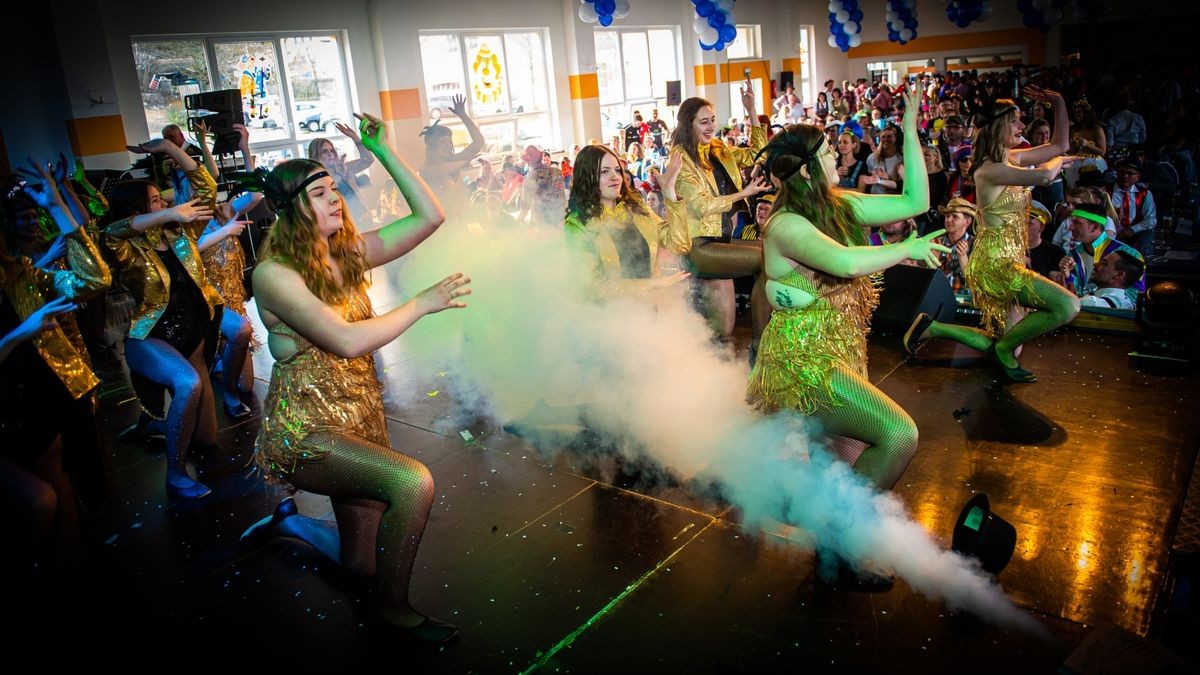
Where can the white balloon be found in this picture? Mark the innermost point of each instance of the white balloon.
(910, 4)
(892, 16)
(852, 27)
(621, 10)
(725, 5)
(700, 24)
(906, 34)
(587, 13)
(1052, 16)
(835, 5)
(842, 16)
(832, 41)
(855, 40)
(709, 35)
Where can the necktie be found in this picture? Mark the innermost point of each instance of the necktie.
(1125, 199)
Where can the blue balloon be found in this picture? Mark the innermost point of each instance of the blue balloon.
(716, 19)
(833, 18)
(606, 6)
(837, 29)
(719, 46)
(1023, 6)
(704, 46)
(843, 41)
(696, 2)
(910, 23)
(952, 12)
(856, 16)
(705, 8)
(728, 32)
(893, 35)
(1032, 20)
(962, 23)
(605, 20)
(850, 5)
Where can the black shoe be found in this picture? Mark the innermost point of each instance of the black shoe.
(430, 631)
(140, 431)
(237, 411)
(912, 338)
(260, 530)
(1017, 374)
(186, 488)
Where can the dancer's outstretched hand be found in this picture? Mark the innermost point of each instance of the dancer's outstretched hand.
(42, 319)
(668, 280)
(374, 134)
(444, 294)
(922, 249)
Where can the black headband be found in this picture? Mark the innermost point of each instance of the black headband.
(788, 144)
(261, 180)
(1001, 113)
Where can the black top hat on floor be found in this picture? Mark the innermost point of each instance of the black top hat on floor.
(982, 534)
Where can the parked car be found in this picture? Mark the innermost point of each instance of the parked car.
(312, 117)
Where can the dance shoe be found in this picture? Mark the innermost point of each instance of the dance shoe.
(260, 530)
(1015, 374)
(183, 487)
(237, 410)
(140, 431)
(912, 338)
(430, 631)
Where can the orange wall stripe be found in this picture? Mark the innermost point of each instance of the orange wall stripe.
(96, 135)
(400, 104)
(792, 65)
(706, 74)
(940, 43)
(586, 85)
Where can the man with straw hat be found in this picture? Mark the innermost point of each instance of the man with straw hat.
(959, 215)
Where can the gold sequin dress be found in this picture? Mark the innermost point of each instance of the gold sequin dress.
(314, 390)
(801, 346)
(996, 272)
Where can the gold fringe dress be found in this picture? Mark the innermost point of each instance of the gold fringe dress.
(801, 346)
(314, 390)
(996, 272)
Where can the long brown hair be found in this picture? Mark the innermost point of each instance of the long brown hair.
(585, 185)
(992, 127)
(684, 137)
(295, 242)
(815, 198)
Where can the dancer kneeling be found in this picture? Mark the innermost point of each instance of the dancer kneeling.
(996, 274)
(813, 353)
(323, 427)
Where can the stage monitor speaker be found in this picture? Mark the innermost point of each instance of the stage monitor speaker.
(786, 79)
(674, 92)
(908, 290)
(219, 110)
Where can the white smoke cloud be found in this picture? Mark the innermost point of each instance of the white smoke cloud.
(649, 374)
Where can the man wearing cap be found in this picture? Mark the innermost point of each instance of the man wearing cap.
(1115, 280)
(1087, 225)
(959, 215)
(951, 142)
(1044, 255)
(1135, 207)
(762, 211)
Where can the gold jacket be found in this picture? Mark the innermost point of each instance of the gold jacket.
(30, 287)
(697, 188)
(144, 274)
(595, 246)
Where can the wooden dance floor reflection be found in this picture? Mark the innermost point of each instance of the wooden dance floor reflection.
(545, 563)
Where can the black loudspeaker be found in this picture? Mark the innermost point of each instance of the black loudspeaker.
(908, 290)
(786, 79)
(674, 92)
(219, 110)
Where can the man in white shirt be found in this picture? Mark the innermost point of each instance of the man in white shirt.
(795, 105)
(1113, 279)
(1125, 127)
(1137, 215)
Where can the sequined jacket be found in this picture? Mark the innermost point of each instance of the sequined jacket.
(697, 189)
(29, 288)
(595, 246)
(144, 274)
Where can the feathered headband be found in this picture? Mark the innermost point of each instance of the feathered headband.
(788, 144)
(261, 180)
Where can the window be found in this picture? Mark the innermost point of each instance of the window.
(736, 109)
(806, 70)
(292, 87)
(502, 76)
(633, 66)
(746, 46)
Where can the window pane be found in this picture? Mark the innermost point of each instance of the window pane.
(168, 71)
(608, 63)
(498, 138)
(636, 61)
(735, 97)
(489, 82)
(318, 92)
(267, 159)
(527, 72)
(662, 60)
(441, 61)
(535, 130)
(252, 68)
(744, 47)
(610, 116)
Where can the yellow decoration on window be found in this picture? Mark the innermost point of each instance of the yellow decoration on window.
(488, 83)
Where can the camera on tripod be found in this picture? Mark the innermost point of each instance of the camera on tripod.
(219, 111)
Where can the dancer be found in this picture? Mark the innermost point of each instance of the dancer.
(813, 358)
(996, 274)
(172, 334)
(609, 226)
(443, 166)
(710, 184)
(323, 428)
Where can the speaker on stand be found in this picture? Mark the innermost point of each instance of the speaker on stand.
(219, 111)
(908, 291)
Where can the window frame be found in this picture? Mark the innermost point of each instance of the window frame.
(626, 104)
